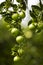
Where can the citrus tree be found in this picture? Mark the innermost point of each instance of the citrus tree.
(21, 46)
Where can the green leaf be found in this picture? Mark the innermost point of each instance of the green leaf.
(36, 9)
(9, 0)
(15, 8)
(7, 18)
(41, 5)
(40, 2)
(22, 6)
(30, 22)
(2, 5)
(33, 16)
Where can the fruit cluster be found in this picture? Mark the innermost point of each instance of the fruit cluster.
(20, 46)
(13, 18)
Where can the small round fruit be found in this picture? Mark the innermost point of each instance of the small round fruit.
(28, 34)
(22, 14)
(15, 16)
(15, 31)
(31, 27)
(19, 39)
(19, 1)
(16, 58)
(20, 51)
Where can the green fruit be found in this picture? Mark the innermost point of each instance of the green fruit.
(16, 58)
(20, 51)
(19, 1)
(15, 16)
(31, 27)
(22, 14)
(15, 31)
(19, 39)
(28, 34)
